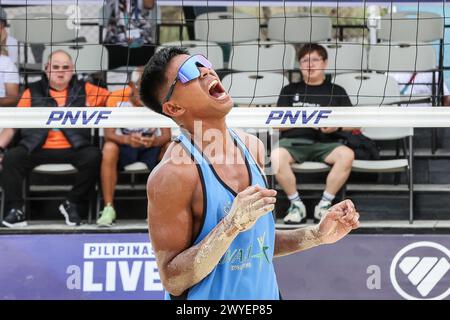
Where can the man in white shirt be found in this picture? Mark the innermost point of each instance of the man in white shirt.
(9, 80)
(9, 94)
(9, 76)
(419, 84)
(12, 46)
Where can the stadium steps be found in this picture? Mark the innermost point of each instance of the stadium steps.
(140, 226)
(377, 187)
(66, 188)
(389, 227)
(419, 153)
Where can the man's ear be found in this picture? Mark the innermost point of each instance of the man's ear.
(172, 110)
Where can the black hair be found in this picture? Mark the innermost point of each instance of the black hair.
(310, 48)
(154, 76)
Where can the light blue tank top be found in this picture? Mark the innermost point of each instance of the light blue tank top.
(246, 270)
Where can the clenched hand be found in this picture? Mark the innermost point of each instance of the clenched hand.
(338, 222)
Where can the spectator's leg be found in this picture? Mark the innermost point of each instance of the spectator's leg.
(6, 136)
(17, 163)
(281, 161)
(341, 159)
(110, 158)
(124, 56)
(117, 55)
(87, 161)
(140, 56)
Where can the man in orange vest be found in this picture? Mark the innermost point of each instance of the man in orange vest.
(59, 87)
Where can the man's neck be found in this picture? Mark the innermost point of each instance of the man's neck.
(58, 88)
(209, 134)
(314, 82)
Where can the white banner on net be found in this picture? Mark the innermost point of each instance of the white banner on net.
(237, 118)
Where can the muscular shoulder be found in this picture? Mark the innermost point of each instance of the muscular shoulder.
(254, 145)
(174, 177)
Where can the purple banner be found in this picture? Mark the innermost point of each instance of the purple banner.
(73, 266)
(122, 266)
(369, 267)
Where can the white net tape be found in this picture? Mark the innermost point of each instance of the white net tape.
(237, 118)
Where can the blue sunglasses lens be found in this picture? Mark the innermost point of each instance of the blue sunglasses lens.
(189, 70)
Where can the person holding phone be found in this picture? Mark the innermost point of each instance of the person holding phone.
(125, 146)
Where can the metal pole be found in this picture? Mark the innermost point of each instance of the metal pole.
(411, 182)
(373, 22)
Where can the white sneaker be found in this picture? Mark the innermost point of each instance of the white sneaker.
(296, 214)
(320, 210)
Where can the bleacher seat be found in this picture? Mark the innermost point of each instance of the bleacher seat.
(51, 169)
(369, 89)
(411, 26)
(310, 167)
(394, 165)
(292, 27)
(402, 57)
(226, 27)
(45, 28)
(268, 56)
(409, 58)
(209, 49)
(40, 28)
(254, 88)
(346, 57)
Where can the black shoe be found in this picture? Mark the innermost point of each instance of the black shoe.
(70, 213)
(15, 218)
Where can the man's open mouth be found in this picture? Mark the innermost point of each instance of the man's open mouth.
(216, 90)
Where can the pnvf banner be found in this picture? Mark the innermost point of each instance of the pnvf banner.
(274, 117)
(122, 266)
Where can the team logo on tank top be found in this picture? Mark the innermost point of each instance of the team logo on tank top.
(243, 258)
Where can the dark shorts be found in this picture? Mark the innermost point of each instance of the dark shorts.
(129, 155)
(302, 151)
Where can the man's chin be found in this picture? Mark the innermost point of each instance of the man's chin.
(228, 105)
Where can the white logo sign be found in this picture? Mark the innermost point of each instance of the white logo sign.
(115, 266)
(423, 272)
